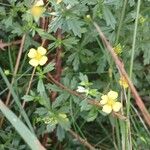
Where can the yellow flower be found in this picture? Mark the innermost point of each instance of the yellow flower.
(7, 72)
(123, 82)
(37, 56)
(118, 49)
(37, 10)
(142, 20)
(110, 103)
(59, 1)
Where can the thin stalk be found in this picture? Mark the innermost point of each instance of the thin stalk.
(132, 54)
(121, 20)
(29, 85)
(134, 40)
(14, 73)
(81, 140)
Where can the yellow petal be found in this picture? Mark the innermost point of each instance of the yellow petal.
(41, 50)
(39, 3)
(32, 53)
(123, 82)
(107, 109)
(34, 62)
(117, 106)
(112, 95)
(59, 1)
(104, 99)
(37, 11)
(43, 60)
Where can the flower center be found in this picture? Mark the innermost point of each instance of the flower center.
(37, 11)
(38, 56)
(110, 102)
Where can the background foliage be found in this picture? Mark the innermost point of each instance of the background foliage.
(83, 59)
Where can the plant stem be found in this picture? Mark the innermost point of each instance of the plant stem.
(121, 20)
(131, 71)
(81, 140)
(29, 86)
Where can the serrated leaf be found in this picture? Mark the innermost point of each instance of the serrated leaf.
(45, 35)
(49, 68)
(70, 42)
(27, 98)
(40, 86)
(53, 87)
(75, 25)
(109, 18)
(50, 127)
(60, 133)
(85, 106)
(61, 98)
(92, 115)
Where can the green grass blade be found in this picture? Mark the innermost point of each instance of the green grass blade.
(16, 99)
(25, 133)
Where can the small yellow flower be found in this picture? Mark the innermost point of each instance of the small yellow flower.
(110, 103)
(118, 49)
(37, 56)
(7, 72)
(142, 20)
(37, 10)
(59, 1)
(123, 82)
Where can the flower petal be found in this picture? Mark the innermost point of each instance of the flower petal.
(123, 82)
(107, 109)
(112, 95)
(81, 89)
(117, 106)
(58, 1)
(41, 50)
(34, 62)
(39, 3)
(43, 60)
(32, 53)
(104, 99)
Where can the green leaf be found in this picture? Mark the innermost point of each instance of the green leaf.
(84, 105)
(92, 115)
(49, 68)
(74, 59)
(64, 123)
(60, 133)
(75, 25)
(40, 86)
(24, 132)
(109, 18)
(50, 127)
(53, 87)
(71, 2)
(27, 98)
(70, 42)
(45, 35)
(61, 98)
